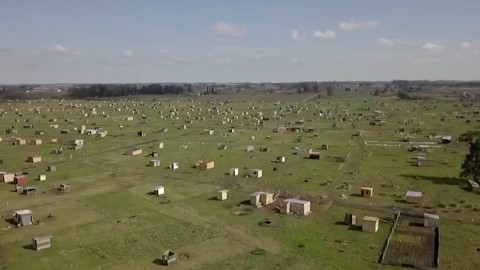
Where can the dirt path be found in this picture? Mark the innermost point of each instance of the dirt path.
(307, 99)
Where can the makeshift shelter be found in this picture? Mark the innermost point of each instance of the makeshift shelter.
(41, 242)
(20, 180)
(34, 159)
(65, 187)
(168, 257)
(29, 190)
(173, 165)
(51, 168)
(250, 148)
(281, 159)
(36, 142)
(42, 177)
(298, 207)
(222, 195)
(23, 217)
(134, 152)
(413, 197)
(350, 219)
(261, 198)
(158, 145)
(370, 224)
(205, 164)
(256, 173)
(154, 163)
(19, 141)
(160, 190)
(314, 155)
(7, 177)
(366, 192)
(472, 186)
(233, 171)
(430, 220)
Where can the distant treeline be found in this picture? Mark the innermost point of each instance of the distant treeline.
(118, 90)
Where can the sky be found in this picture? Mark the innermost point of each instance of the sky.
(124, 41)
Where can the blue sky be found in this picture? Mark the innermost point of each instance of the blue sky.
(89, 41)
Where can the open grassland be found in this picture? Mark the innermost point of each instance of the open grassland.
(110, 221)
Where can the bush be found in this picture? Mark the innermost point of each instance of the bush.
(259, 251)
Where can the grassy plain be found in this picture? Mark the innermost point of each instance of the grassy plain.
(109, 221)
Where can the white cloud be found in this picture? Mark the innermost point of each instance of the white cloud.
(127, 53)
(466, 45)
(432, 47)
(324, 35)
(294, 61)
(57, 48)
(386, 42)
(221, 60)
(163, 52)
(227, 29)
(295, 34)
(354, 25)
(257, 56)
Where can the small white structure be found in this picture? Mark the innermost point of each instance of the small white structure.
(370, 224)
(160, 190)
(173, 165)
(7, 177)
(261, 198)
(222, 195)
(154, 163)
(256, 173)
(299, 207)
(41, 242)
(281, 159)
(250, 148)
(413, 197)
(42, 177)
(233, 171)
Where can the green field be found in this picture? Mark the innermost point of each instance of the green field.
(110, 221)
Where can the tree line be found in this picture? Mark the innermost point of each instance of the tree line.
(117, 90)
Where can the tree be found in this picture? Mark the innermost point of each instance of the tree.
(471, 164)
(329, 91)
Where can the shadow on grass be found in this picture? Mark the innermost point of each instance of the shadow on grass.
(434, 179)
(355, 228)
(28, 247)
(214, 198)
(246, 202)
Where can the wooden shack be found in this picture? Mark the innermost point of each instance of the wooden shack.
(34, 159)
(298, 207)
(413, 197)
(261, 198)
(159, 190)
(23, 217)
(281, 159)
(205, 164)
(135, 152)
(154, 163)
(350, 219)
(41, 242)
(370, 224)
(173, 165)
(256, 173)
(473, 186)
(366, 192)
(233, 171)
(222, 195)
(7, 177)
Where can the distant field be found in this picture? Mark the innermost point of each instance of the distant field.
(109, 219)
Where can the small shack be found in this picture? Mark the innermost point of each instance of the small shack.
(314, 155)
(256, 173)
(413, 197)
(281, 159)
(205, 164)
(134, 152)
(36, 142)
(366, 192)
(473, 186)
(298, 207)
(20, 180)
(370, 224)
(233, 171)
(250, 148)
(64, 187)
(23, 217)
(350, 219)
(52, 168)
(160, 190)
(41, 242)
(154, 163)
(173, 165)
(158, 145)
(42, 177)
(7, 177)
(261, 198)
(222, 195)
(34, 159)
(430, 220)
(168, 257)
(29, 190)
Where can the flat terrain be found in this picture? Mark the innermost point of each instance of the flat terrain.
(109, 219)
